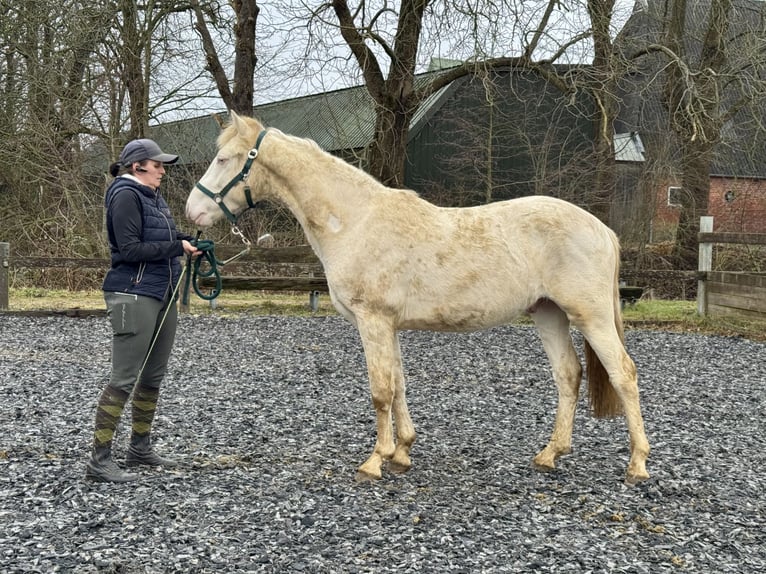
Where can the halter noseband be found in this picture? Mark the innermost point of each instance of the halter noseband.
(241, 176)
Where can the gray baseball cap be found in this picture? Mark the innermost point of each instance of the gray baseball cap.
(140, 150)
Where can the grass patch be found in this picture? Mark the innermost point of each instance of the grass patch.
(681, 316)
(657, 310)
(253, 303)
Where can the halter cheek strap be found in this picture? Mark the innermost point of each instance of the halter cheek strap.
(241, 176)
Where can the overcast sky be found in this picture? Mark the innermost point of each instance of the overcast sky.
(296, 59)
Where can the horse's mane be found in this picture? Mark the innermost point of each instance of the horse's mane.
(338, 166)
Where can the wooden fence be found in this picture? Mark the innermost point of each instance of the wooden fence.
(718, 292)
(741, 294)
(305, 271)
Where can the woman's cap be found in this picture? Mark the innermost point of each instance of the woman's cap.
(143, 149)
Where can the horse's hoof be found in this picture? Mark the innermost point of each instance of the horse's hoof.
(544, 462)
(363, 476)
(397, 468)
(543, 467)
(634, 479)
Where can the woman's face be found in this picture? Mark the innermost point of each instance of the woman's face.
(150, 173)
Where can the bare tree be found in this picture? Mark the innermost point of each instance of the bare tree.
(48, 51)
(77, 79)
(391, 82)
(714, 60)
(239, 95)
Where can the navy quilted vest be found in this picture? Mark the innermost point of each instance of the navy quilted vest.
(151, 278)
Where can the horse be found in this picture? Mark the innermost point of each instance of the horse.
(394, 261)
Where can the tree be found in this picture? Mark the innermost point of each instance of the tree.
(239, 96)
(78, 78)
(714, 63)
(48, 52)
(392, 86)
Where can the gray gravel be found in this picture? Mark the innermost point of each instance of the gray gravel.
(272, 416)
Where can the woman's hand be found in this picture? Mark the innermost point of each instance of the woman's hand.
(190, 249)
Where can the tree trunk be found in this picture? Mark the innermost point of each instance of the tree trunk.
(694, 105)
(133, 72)
(695, 183)
(603, 88)
(245, 58)
(239, 96)
(387, 152)
(395, 98)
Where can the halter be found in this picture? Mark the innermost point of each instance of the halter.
(207, 246)
(241, 176)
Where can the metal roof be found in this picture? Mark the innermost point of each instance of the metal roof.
(628, 148)
(337, 120)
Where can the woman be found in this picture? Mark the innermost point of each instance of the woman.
(139, 290)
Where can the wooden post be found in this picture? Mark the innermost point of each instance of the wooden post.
(5, 266)
(705, 264)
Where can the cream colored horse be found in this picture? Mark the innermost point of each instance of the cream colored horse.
(394, 261)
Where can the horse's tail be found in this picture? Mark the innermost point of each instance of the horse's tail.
(604, 401)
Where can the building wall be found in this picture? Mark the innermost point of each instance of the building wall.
(511, 137)
(738, 205)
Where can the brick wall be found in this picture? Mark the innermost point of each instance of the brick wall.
(736, 204)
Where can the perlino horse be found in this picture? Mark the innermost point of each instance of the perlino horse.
(394, 261)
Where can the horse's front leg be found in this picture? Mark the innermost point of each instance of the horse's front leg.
(405, 431)
(378, 338)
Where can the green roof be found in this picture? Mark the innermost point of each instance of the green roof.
(338, 120)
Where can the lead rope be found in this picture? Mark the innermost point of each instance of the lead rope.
(208, 254)
(207, 264)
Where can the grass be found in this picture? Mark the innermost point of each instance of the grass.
(252, 303)
(679, 316)
(682, 316)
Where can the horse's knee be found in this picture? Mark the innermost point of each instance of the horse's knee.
(382, 395)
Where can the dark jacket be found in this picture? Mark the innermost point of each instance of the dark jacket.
(143, 241)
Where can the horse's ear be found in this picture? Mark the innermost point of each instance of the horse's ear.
(236, 121)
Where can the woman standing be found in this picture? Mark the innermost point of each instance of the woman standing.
(139, 290)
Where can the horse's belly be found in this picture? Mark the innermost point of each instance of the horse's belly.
(449, 318)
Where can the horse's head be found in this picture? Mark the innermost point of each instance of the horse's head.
(224, 190)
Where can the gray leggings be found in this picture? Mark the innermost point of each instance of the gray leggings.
(135, 320)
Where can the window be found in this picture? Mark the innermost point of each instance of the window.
(674, 196)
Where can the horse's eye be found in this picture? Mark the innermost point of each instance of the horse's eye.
(221, 160)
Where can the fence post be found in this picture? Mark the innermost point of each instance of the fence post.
(5, 266)
(704, 265)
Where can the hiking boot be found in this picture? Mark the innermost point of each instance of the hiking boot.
(101, 468)
(140, 452)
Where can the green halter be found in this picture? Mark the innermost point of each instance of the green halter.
(241, 176)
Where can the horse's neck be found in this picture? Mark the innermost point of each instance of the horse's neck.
(328, 197)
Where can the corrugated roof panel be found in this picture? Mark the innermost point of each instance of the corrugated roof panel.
(339, 120)
(628, 147)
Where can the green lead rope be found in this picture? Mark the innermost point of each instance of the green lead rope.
(205, 265)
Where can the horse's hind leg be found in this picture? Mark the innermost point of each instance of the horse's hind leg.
(384, 367)
(606, 341)
(553, 326)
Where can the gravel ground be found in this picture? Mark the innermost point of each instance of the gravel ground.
(272, 416)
